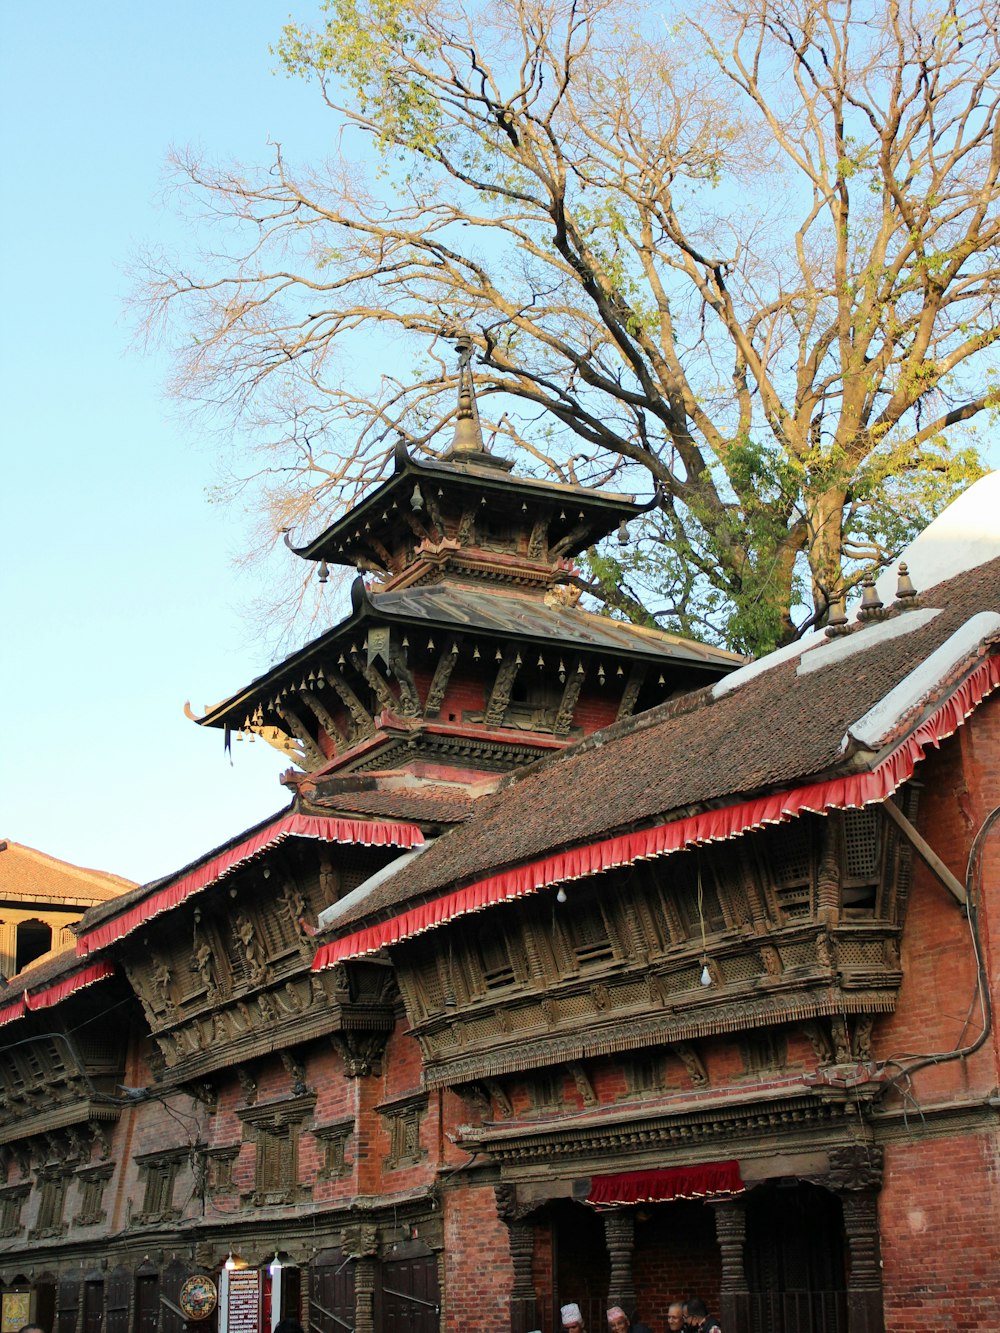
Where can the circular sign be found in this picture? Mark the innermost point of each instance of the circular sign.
(198, 1297)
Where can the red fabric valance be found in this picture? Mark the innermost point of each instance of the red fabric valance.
(359, 831)
(853, 791)
(60, 990)
(13, 1010)
(672, 1182)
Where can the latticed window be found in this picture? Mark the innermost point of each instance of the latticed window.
(644, 1075)
(276, 1160)
(402, 1122)
(588, 932)
(51, 1201)
(690, 882)
(92, 1183)
(334, 1140)
(160, 1175)
(274, 1129)
(494, 958)
(862, 856)
(788, 855)
(11, 1201)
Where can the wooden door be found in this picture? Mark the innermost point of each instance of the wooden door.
(69, 1305)
(407, 1298)
(117, 1299)
(147, 1303)
(795, 1263)
(93, 1306)
(331, 1293)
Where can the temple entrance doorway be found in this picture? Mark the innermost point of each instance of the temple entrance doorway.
(795, 1260)
(581, 1268)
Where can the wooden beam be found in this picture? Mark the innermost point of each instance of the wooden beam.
(503, 684)
(925, 852)
(313, 752)
(442, 674)
(364, 723)
(325, 718)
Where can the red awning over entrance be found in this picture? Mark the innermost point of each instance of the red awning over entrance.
(673, 1182)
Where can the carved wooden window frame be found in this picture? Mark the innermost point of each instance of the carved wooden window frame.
(333, 1140)
(53, 1184)
(645, 1075)
(159, 1172)
(92, 1181)
(220, 1165)
(764, 1052)
(12, 1199)
(274, 1129)
(403, 1121)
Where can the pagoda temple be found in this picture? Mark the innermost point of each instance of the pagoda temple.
(466, 654)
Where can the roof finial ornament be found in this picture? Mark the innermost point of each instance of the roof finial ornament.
(905, 590)
(468, 432)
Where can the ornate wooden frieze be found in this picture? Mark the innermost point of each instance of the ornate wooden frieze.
(667, 952)
(661, 1138)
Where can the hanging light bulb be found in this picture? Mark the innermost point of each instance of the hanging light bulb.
(275, 1266)
(706, 976)
(230, 1263)
(561, 895)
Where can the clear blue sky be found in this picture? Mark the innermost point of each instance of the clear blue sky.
(119, 595)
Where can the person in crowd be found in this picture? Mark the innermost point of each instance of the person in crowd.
(572, 1318)
(676, 1319)
(619, 1322)
(699, 1318)
(31, 1328)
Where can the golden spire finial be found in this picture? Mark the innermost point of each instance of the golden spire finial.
(468, 432)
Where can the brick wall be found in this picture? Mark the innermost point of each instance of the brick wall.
(939, 1214)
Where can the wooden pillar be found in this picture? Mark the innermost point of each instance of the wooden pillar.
(864, 1282)
(734, 1293)
(364, 1294)
(521, 1240)
(619, 1233)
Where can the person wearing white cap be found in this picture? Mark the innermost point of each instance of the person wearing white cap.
(572, 1319)
(619, 1322)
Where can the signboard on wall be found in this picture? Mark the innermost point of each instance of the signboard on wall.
(241, 1301)
(16, 1311)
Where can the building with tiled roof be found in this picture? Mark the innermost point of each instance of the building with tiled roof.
(582, 964)
(41, 898)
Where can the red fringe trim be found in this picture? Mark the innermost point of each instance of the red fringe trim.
(60, 990)
(856, 790)
(673, 1182)
(359, 831)
(11, 1011)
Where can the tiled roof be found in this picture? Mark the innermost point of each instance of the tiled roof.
(431, 804)
(778, 729)
(47, 968)
(27, 875)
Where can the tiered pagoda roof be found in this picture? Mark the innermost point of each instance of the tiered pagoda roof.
(466, 653)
